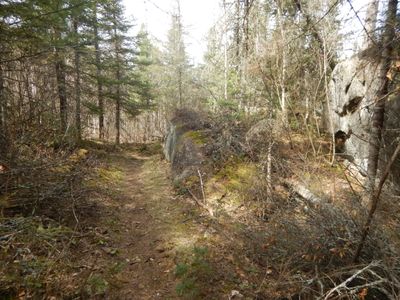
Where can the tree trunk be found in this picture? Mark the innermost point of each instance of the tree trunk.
(284, 66)
(181, 57)
(225, 53)
(375, 198)
(118, 109)
(100, 99)
(246, 26)
(2, 105)
(118, 91)
(77, 86)
(28, 88)
(180, 86)
(3, 122)
(62, 91)
(378, 116)
(237, 35)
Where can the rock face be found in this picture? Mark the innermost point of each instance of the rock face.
(353, 89)
(170, 143)
(183, 146)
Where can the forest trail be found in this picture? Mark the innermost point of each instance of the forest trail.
(144, 226)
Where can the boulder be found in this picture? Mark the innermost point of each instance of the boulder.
(352, 91)
(184, 146)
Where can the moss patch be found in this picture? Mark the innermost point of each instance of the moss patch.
(110, 175)
(237, 176)
(197, 136)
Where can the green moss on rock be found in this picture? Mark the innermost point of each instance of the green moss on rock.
(237, 176)
(197, 136)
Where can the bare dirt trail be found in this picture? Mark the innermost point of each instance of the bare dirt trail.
(151, 243)
(143, 227)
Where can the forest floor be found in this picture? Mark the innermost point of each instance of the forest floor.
(132, 234)
(153, 243)
(137, 223)
(127, 233)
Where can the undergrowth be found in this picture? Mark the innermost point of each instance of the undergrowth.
(45, 199)
(307, 244)
(194, 274)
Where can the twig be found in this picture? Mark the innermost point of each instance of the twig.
(202, 205)
(73, 206)
(348, 280)
(349, 183)
(202, 186)
(374, 203)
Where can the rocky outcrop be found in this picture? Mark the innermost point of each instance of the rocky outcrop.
(170, 143)
(353, 89)
(184, 146)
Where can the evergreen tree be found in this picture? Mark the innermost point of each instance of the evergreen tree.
(119, 60)
(144, 62)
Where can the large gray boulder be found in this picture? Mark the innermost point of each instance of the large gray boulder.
(353, 89)
(184, 146)
(170, 143)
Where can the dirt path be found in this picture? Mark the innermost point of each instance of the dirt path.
(151, 243)
(141, 230)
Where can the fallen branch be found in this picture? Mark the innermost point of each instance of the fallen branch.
(303, 192)
(202, 186)
(348, 280)
(201, 204)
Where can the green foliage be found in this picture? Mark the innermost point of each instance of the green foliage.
(27, 254)
(96, 285)
(194, 273)
(181, 270)
(117, 268)
(187, 288)
(145, 59)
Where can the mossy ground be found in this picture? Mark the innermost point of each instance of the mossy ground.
(236, 175)
(197, 136)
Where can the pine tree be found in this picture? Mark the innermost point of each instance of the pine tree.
(144, 62)
(119, 59)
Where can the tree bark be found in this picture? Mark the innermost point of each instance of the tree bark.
(375, 197)
(118, 86)
(237, 35)
(4, 142)
(28, 88)
(180, 57)
(246, 26)
(62, 89)
(77, 59)
(2, 104)
(378, 115)
(118, 109)
(100, 98)
(283, 67)
(225, 53)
